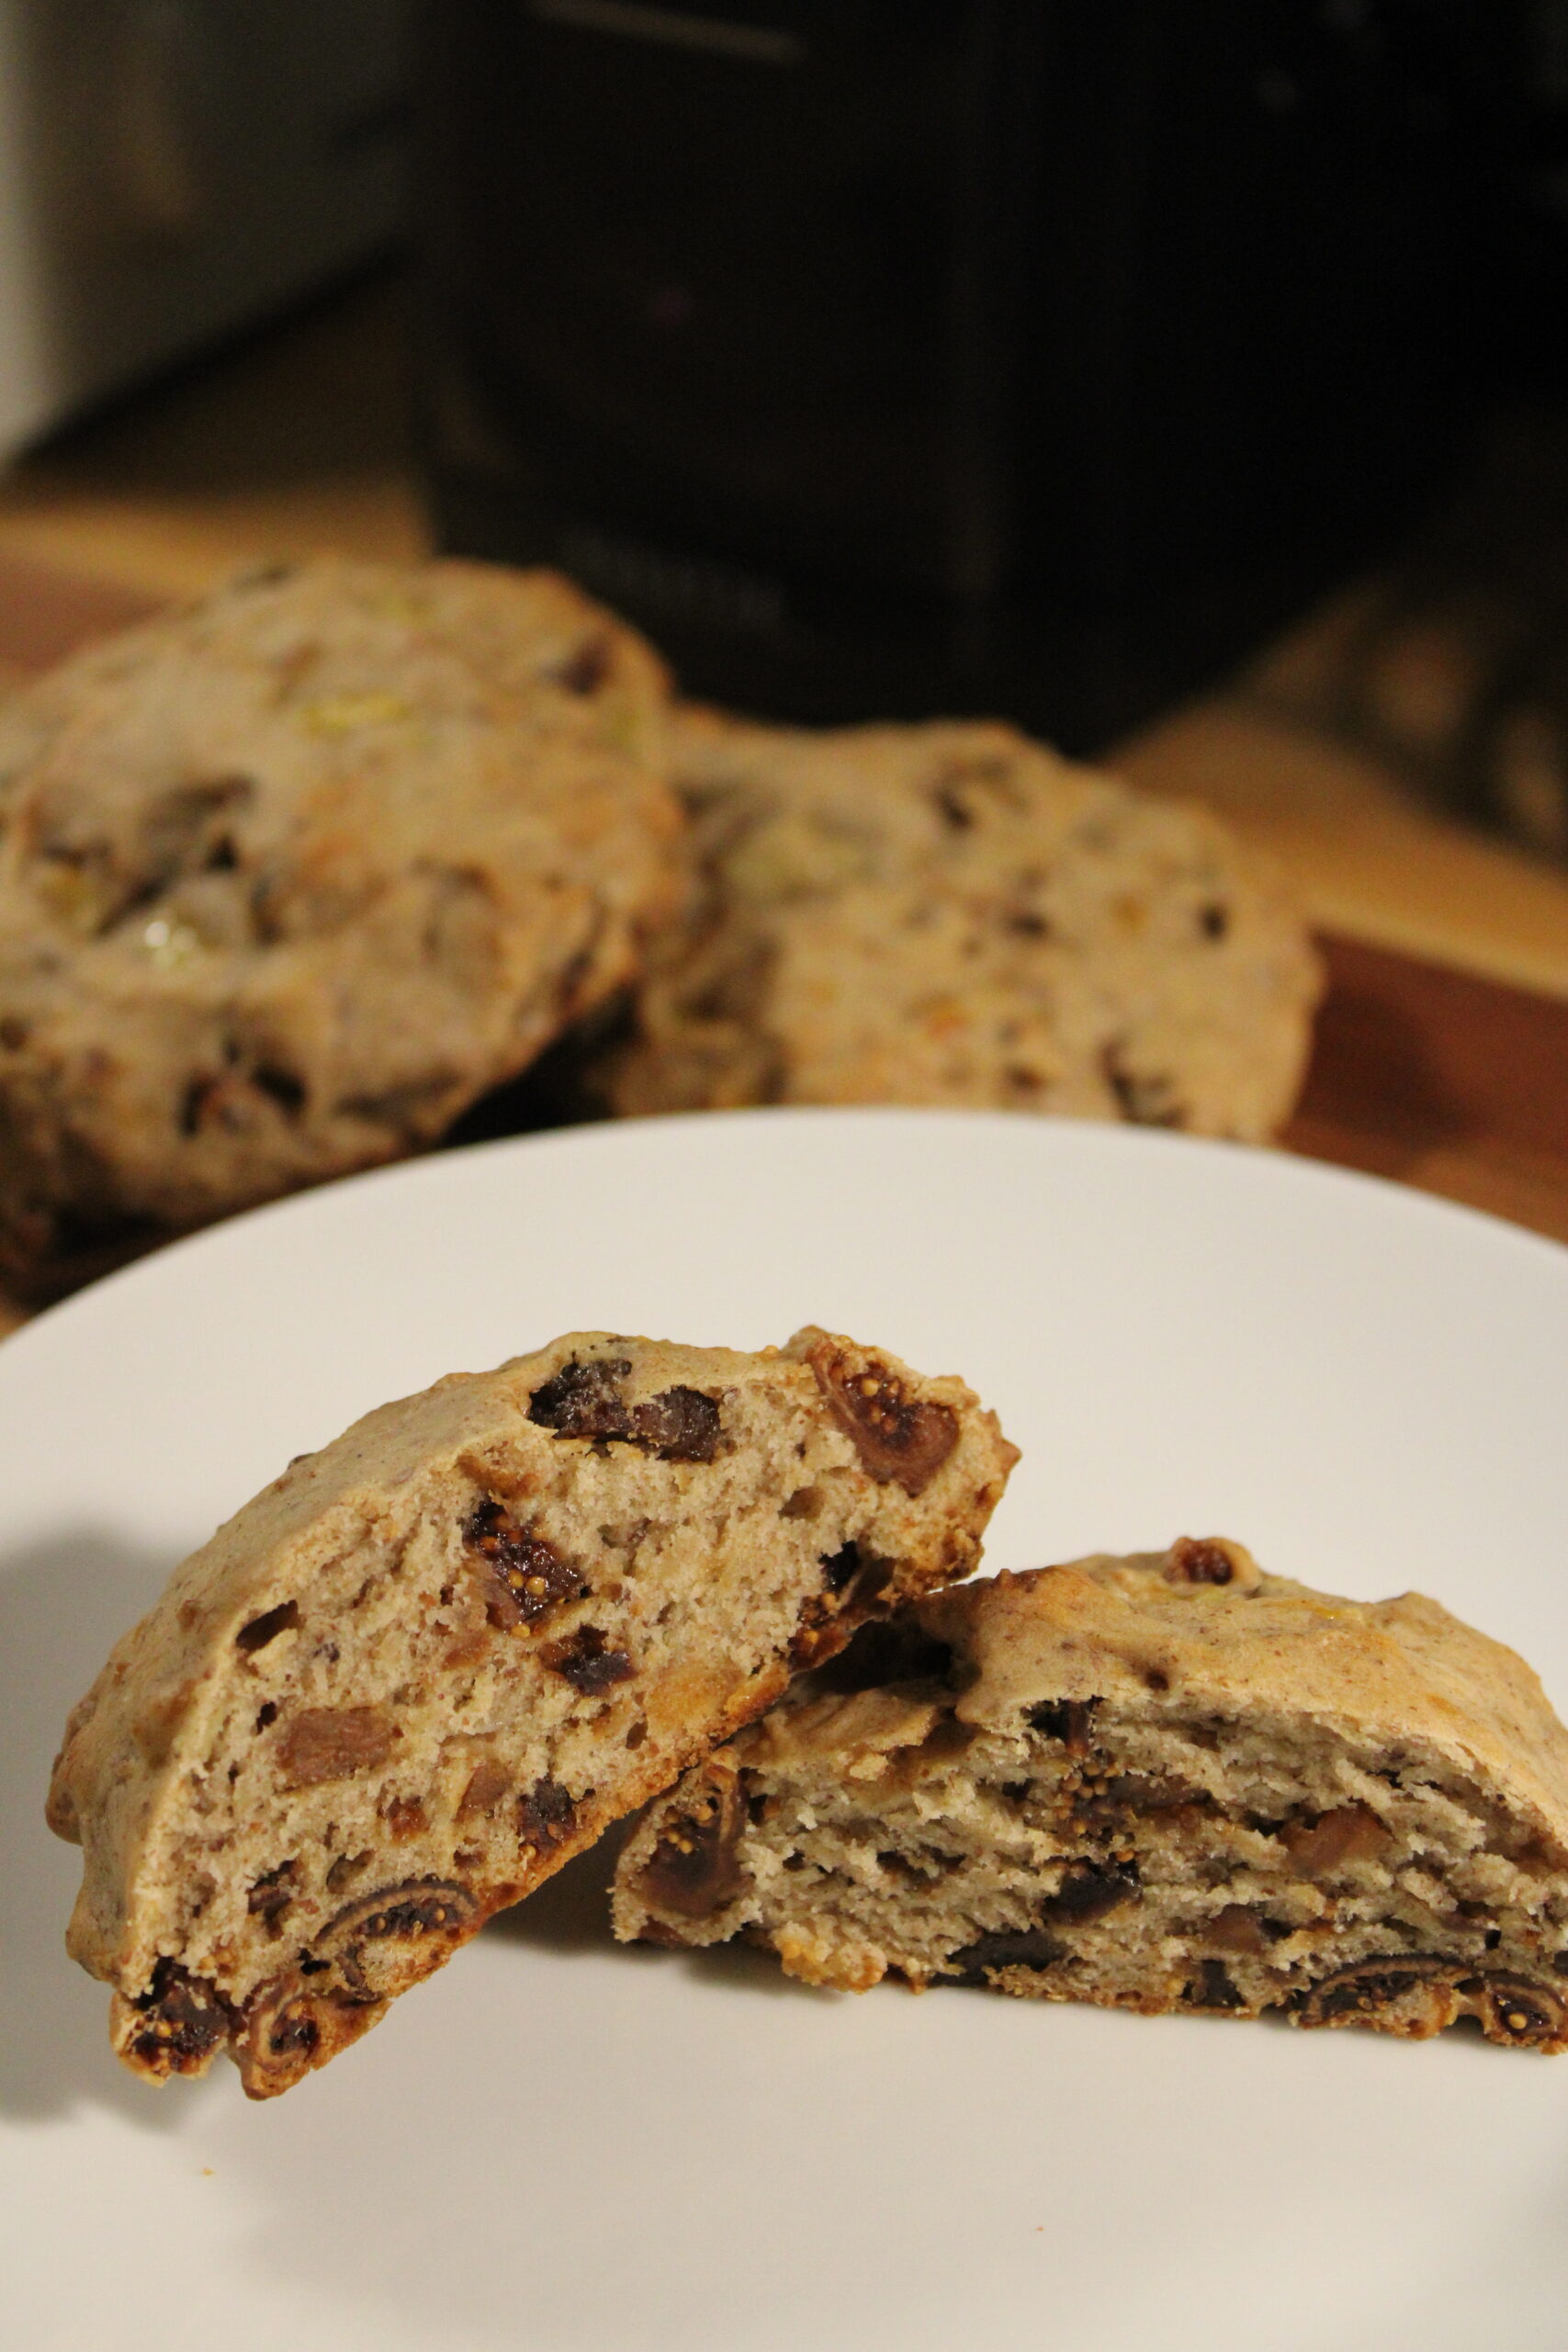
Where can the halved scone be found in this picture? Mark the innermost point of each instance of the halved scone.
(430, 1663)
(1164, 1783)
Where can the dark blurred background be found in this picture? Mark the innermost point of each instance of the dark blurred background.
(1039, 355)
(1043, 357)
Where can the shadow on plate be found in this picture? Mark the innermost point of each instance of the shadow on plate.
(63, 1606)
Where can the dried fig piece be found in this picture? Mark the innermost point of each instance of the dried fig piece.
(1404, 1992)
(1237, 1929)
(898, 1437)
(332, 1743)
(1088, 1893)
(1022, 1948)
(1516, 2009)
(386, 1941)
(586, 1661)
(546, 1816)
(525, 1577)
(272, 1894)
(1211, 1988)
(487, 1785)
(678, 1425)
(585, 1400)
(695, 1868)
(175, 2026)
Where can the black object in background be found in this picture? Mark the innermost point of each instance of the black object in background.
(909, 355)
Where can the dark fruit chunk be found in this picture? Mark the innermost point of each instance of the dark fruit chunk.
(525, 1578)
(695, 1868)
(271, 1896)
(1516, 2008)
(1237, 1929)
(583, 1399)
(897, 1437)
(546, 1816)
(840, 1567)
(486, 1784)
(364, 1941)
(586, 1400)
(185, 2019)
(1199, 1559)
(584, 1661)
(1211, 1988)
(679, 1425)
(1029, 1947)
(1411, 1992)
(1089, 1894)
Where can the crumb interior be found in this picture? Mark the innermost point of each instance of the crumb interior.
(479, 1681)
(1178, 1858)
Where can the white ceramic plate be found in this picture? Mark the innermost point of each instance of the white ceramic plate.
(558, 2143)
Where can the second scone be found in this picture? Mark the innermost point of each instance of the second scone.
(952, 914)
(1165, 1782)
(290, 877)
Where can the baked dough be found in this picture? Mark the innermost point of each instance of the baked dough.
(1168, 1782)
(952, 914)
(431, 1662)
(289, 877)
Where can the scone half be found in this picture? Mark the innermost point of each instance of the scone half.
(430, 1663)
(1165, 1782)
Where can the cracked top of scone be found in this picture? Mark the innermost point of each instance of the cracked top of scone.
(1204, 1625)
(950, 913)
(289, 877)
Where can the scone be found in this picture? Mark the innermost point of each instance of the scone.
(289, 878)
(1160, 1784)
(430, 1663)
(952, 914)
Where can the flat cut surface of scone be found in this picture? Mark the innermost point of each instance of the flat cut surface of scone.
(952, 914)
(431, 1662)
(1160, 1784)
(289, 878)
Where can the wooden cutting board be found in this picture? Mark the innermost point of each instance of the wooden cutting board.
(1423, 1072)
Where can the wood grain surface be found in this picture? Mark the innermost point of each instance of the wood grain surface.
(1423, 1072)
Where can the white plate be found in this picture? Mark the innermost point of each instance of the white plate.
(558, 2143)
